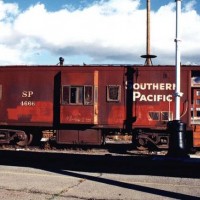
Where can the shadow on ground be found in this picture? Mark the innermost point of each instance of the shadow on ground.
(76, 164)
(120, 164)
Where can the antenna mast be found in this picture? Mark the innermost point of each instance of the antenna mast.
(148, 55)
(148, 51)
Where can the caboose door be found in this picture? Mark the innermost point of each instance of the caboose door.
(79, 96)
(195, 114)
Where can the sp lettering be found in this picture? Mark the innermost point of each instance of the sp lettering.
(27, 94)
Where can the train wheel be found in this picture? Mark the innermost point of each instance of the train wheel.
(141, 144)
(142, 148)
(23, 141)
(27, 139)
(30, 138)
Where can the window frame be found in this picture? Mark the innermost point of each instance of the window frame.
(108, 97)
(85, 101)
(154, 112)
(80, 93)
(161, 115)
(170, 115)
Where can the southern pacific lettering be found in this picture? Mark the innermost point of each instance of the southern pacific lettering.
(139, 88)
(154, 86)
(151, 97)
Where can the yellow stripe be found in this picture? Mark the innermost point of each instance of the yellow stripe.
(96, 82)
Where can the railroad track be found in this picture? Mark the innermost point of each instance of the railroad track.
(108, 149)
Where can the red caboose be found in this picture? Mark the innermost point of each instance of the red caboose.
(83, 104)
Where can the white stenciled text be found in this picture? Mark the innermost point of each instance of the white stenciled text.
(26, 95)
(140, 91)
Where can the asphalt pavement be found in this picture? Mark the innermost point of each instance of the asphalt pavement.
(57, 176)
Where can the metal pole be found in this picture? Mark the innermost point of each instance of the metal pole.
(178, 94)
(148, 50)
(148, 55)
(176, 128)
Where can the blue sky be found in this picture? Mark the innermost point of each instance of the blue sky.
(95, 31)
(77, 4)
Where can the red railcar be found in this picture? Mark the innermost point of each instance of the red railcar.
(83, 104)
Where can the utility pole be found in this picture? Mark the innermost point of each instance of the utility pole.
(148, 55)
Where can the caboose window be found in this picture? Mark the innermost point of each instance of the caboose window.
(198, 101)
(166, 116)
(154, 116)
(198, 93)
(77, 95)
(88, 95)
(198, 113)
(114, 93)
(65, 94)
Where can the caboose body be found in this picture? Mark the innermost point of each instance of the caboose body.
(83, 104)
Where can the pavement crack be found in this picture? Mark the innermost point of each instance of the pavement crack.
(30, 191)
(60, 194)
(80, 181)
